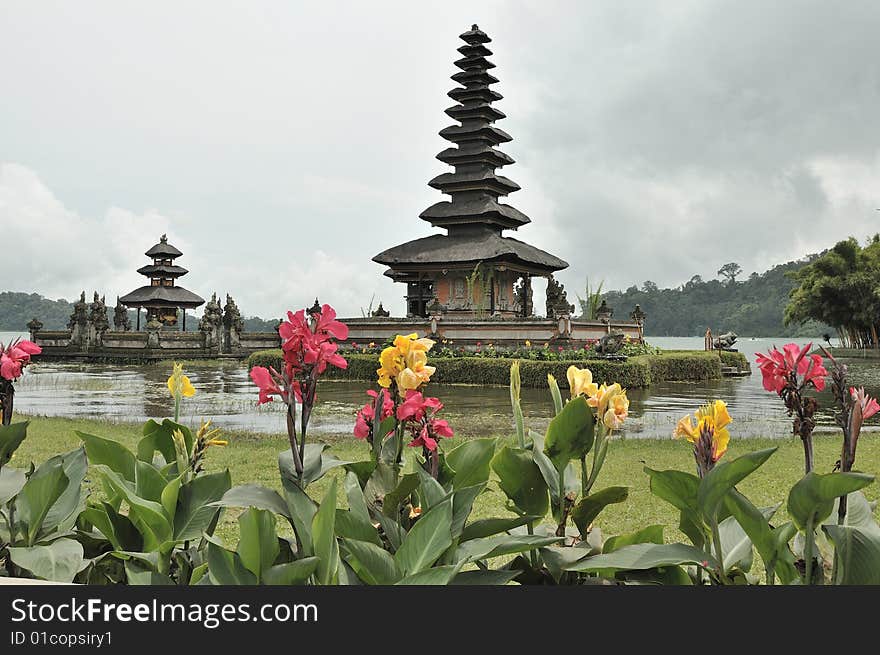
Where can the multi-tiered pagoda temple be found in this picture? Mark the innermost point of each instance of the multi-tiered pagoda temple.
(162, 298)
(472, 270)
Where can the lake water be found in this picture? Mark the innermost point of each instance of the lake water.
(226, 394)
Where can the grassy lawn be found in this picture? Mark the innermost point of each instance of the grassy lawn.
(253, 458)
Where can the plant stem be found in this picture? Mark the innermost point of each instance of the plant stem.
(809, 537)
(584, 477)
(533, 554)
(719, 555)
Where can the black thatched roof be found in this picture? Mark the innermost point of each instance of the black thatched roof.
(164, 270)
(163, 249)
(469, 248)
(150, 296)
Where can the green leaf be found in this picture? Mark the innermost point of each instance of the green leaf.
(254, 495)
(158, 437)
(736, 545)
(109, 453)
(38, 495)
(391, 529)
(427, 539)
(372, 563)
(64, 511)
(324, 537)
(435, 576)
(291, 573)
(470, 460)
(148, 516)
(149, 482)
(550, 474)
(857, 553)
(136, 575)
(226, 568)
(680, 490)
(646, 556)
(195, 504)
(558, 558)
(392, 500)
(258, 543)
(724, 477)
(811, 499)
(521, 480)
(59, 561)
(587, 509)
(11, 437)
(302, 510)
(355, 495)
(351, 526)
(488, 527)
(503, 544)
(169, 497)
(430, 490)
(653, 534)
(776, 557)
(116, 527)
(11, 482)
(315, 463)
(570, 433)
(462, 505)
(484, 578)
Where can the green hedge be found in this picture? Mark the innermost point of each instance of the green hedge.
(635, 372)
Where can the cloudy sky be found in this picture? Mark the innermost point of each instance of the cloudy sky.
(282, 145)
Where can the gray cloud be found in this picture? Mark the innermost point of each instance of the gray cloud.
(285, 145)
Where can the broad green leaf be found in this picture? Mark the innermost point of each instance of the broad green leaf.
(324, 537)
(351, 526)
(587, 509)
(169, 496)
(857, 553)
(59, 561)
(363, 470)
(570, 433)
(258, 542)
(158, 437)
(195, 504)
(646, 556)
(11, 437)
(355, 495)
(470, 460)
(148, 516)
(427, 539)
(736, 546)
(680, 490)
(776, 557)
(521, 480)
(315, 463)
(391, 529)
(435, 576)
(301, 509)
(62, 515)
(392, 500)
(859, 512)
(558, 558)
(430, 491)
(484, 578)
(226, 568)
(109, 453)
(37, 496)
(653, 534)
(372, 563)
(488, 527)
(724, 477)
(149, 482)
(116, 527)
(11, 482)
(503, 544)
(811, 499)
(254, 495)
(462, 504)
(290, 573)
(137, 575)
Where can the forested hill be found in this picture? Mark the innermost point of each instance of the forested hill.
(751, 307)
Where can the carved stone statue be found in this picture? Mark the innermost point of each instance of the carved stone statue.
(211, 323)
(611, 343)
(557, 300)
(725, 341)
(121, 321)
(522, 297)
(98, 323)
(34, 326)
(80, 315)
(232, 324)
(153, 328)
(381, 312)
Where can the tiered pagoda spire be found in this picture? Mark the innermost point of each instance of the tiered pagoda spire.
(437, 267)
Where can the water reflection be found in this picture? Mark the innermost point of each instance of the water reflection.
(226, 394)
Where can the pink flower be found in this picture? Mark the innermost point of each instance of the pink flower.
(327, 324)
(780, 369)
(265, 379)
(415, 406)
(419, 413)
(868, 404)
(363, 426)
(15, 356)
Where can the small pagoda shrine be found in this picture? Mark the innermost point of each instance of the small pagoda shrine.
(162, 298)
(472, 271)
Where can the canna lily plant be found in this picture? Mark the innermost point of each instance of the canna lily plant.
(14, 357)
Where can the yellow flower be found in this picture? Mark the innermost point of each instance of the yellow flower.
(618, 410)
(602, 395)
(528, 344)
(206, 434)
(406, 362)
(179, 384)
(580, 381)
(712, 420)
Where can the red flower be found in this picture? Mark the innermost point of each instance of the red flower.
(327, 324)
(868, 404)
(419, 413)
(271, 383)
(15, 356)
(779, 369)
(363, 426)
(415, 406)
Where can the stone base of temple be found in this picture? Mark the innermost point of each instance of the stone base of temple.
(509, 333)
